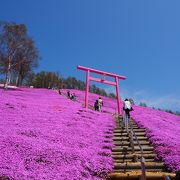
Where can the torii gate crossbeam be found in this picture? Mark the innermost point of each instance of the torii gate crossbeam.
(115, 83)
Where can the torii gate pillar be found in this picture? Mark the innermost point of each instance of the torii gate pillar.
(115, 83)
(87, 89)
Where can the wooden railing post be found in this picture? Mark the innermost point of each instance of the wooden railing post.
(143, 176)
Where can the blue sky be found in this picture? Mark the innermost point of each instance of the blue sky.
(138, 39)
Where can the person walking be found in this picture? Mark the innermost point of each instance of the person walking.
(69, 94)
(60, 93)
(73, 96)
(127, 108)
(100, 103)
(96, 106)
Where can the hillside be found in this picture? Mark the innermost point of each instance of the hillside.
(163, 128)
(46, 136)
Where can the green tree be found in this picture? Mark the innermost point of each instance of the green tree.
(50, 79)
(132, 101)
(44, 80)
(112, 95)
(143, 104)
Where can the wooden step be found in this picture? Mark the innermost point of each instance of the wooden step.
(123, 122)
(122, 131)
(137, 165)
(127, 138)
(123, 126)
(136, 148)
(131, 156)
(126, 134)
(129, 152)
(135, 175)
(120, 128)
(131, 160)
(127, 146)
(130, 170)
(127, 143)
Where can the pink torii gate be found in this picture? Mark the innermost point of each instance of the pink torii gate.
(88, 78)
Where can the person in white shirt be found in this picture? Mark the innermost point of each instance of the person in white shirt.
(127, 107)
(100, 103)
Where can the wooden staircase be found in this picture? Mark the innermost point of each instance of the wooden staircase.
(134, 156)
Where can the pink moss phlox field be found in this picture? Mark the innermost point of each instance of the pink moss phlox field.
(46, 136)
(110, 105)
(163, 130)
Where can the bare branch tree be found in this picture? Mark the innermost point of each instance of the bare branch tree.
(18, 53)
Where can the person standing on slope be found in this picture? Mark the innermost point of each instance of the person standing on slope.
(96, 106)
(127, 108)
(100, 103)
(68, 94)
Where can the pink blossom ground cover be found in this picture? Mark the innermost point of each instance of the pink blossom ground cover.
(110, 105)
(163, 129)
(46, 136)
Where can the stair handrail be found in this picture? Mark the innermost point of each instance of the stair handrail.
(142, 160)
(134, 134)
